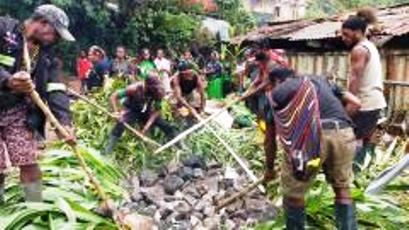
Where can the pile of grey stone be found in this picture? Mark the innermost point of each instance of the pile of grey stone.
(184, 196)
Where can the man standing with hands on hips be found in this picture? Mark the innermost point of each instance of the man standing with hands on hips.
(19, 116)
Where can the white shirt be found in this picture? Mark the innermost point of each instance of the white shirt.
(163, 66)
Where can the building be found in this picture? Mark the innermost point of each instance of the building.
(315, 47)
(277, 10)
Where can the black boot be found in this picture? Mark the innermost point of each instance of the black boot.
(295, 218)
(359, 159)
(111, 144)
(345, 217)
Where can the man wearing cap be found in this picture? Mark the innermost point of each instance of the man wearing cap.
(20, 119)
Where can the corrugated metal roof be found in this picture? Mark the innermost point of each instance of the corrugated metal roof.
(278, 31)
(318, 31)
(393, 21)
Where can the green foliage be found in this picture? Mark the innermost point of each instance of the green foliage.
(324, 8)
(70, 200)
(234, 12)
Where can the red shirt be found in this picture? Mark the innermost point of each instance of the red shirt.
(83, 67)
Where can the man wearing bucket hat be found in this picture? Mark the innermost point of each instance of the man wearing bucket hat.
(20, 119)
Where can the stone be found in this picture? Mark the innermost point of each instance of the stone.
(169, 198)
(212, 223)
(199, 215)
(194, 162)
(172, 183)
(235, 206)
(239, 214)
(132, 207)
(190, 199)
(202, 189)
(212, 185)
(268, 213)
(173, 167)
(186, 173)
(181, 225)
(213, 164)
(255, 205)
(182, 207)
(209, 211)
(231, 173)
(192, 191)
(231, 225)
(157, 216)
(163, 172)
(139, 222)
(149, 211)
(136, 196)
(148, 178)
(194, 221)
(153, 195)
(165, 213)
(198, 173)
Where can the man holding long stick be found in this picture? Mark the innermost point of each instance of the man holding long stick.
(315, 131)
(142, 103)
(19, 117)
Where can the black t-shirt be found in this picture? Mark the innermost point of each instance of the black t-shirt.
(329, 103)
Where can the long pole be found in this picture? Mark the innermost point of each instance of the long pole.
(222, 204)
(129, 127)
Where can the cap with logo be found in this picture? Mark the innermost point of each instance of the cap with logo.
(57, 18)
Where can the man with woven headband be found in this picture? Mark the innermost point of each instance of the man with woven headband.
(142, 103)
(19, 117)
(315, 131)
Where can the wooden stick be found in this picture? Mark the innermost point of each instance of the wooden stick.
(192, 129)
(238, 195)
(229, 149)
(129, 127)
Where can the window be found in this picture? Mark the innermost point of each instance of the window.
(277, 11)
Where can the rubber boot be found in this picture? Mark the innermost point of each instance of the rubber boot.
(359, 159)
(295, 218)
(33, 191)
(2, 189)
(111, 144)
(345, 217)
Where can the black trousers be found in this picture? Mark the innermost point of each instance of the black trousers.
(131, 117)
(365, 123)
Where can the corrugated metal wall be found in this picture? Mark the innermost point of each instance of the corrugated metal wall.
(395, 71)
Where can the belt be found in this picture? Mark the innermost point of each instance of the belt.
(331, 125)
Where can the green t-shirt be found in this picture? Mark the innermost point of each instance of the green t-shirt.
(145, 67)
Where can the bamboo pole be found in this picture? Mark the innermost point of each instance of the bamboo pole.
(222, 204)
(107, 203)
(228, 201)
(192, 129)
(129, 127)
(229, 149)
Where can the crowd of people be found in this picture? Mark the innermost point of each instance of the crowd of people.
(319, 124)
(94, 67)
